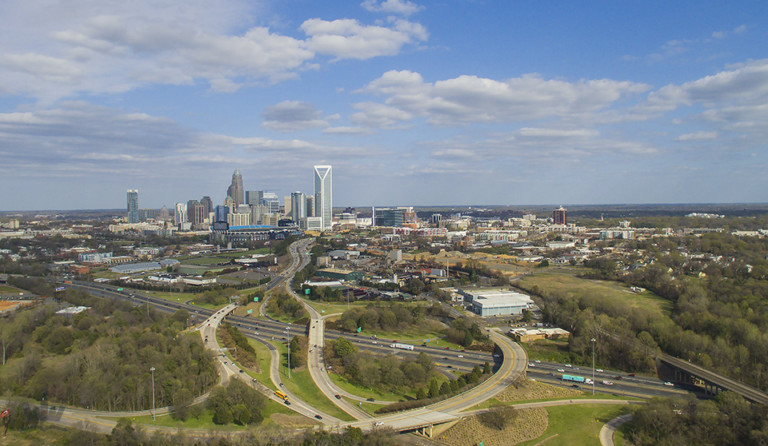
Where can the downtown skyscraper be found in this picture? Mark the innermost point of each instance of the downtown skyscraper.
(324, 196)
(133, 205)
(236, 190)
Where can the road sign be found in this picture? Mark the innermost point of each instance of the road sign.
(359, 329)
(119, 289)
(307, 291)
(256, 299)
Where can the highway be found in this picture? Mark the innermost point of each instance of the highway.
(509, 361)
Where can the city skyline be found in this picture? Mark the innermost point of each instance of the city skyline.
(412, 102)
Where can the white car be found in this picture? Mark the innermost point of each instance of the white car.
(530, 364)
(669, 384)
(568, 365)
(538, 361)
(561, 370)
(599, 370)
(607, 383)
(378, 423)
(461, 356)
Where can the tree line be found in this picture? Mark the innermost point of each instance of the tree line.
(101, 358)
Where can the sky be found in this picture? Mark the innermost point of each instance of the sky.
(445, 102)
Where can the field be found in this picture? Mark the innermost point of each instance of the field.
(365, 392)
(565, 284)
(214, 259)
(576, 425)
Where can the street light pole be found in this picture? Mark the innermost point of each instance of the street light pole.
(593, 366)
(152, 369)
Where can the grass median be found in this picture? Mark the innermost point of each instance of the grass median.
(301, 384)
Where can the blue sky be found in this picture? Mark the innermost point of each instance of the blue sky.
(412, 102)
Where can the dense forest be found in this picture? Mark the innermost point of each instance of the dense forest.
(101, 357)
(392, 373)
(727, 420)
(719, 297)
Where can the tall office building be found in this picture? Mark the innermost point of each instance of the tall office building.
(324, 196)
(207, 205)
(235, 189)
(133, 206)
(180, 216)
(270, 200)
(559, 216)
(298, 206)
(196, 213)
(310, 205)
(253, 197)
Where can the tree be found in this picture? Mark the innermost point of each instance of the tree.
(240, 414)
(486, 368)
(182, 400)
(222, 415)
(343, 348)
(434, 388)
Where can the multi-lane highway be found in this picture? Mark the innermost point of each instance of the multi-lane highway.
(509, 360)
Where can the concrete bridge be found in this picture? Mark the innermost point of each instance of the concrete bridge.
(685, 372)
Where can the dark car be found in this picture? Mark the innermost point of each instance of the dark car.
(338, 397)
(287, 403)
(370, 399)
(318, 417)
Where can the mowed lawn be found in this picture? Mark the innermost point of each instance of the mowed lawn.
(568, 285)
(576, 425)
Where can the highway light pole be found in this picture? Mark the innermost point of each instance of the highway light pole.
(593, 366)
(152, 369)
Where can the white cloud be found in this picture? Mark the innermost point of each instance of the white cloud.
(289, 116)
(744, 84)
(466, 99)
(348, 39)
(697, 136)
(107, 46)
(403, 7)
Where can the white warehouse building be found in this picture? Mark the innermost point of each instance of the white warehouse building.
(497, 302)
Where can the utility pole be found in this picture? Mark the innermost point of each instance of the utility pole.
(593, 366)
(152, 369)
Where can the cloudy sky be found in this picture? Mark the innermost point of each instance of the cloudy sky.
(412, 102)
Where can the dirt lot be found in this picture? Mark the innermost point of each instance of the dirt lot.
(529, 424)
(10, 305)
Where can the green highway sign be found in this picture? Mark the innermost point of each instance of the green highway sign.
(307, 291)
(256, 299)
(119, 289)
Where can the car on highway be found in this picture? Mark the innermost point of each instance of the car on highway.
(538, 361)
(338, 397)
(568, 365)
(561, 370)
(461, 356)
(287, 403)
(599, 370)
(370, 399)
(318, 417)
(667, 383)
(530, 364)
(374, 342)
(607, 383)
(378, 423)
(241, 371)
